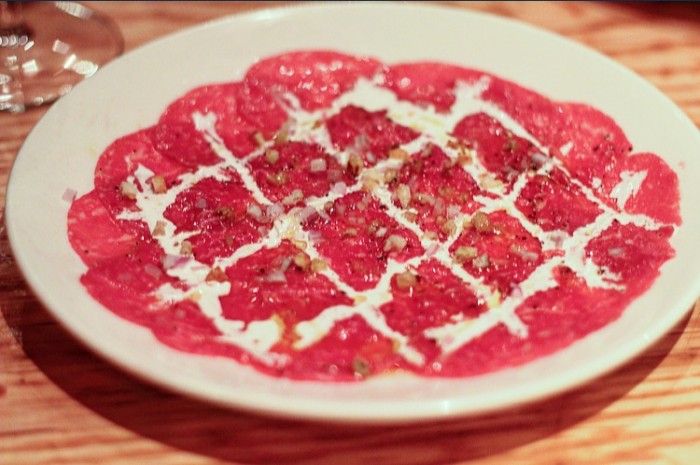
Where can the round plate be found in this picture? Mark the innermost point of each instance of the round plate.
(131, 92)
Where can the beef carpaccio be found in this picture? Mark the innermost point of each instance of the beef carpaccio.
(333, 218)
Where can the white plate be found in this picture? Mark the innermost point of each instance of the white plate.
(131, 92)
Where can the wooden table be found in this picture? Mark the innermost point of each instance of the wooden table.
(59, 404)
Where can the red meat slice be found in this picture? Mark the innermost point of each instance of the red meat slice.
(428, 83)
(293, 169)
(94, 234)
(354, 238)
(139, 271)
(434, 299)
(436, 184)
(369, 134)
(633, 253)
(241, 112)
(278, 282)
(554, 203)
(121, 160)
(221, 213)
(597, 142)
(182, 326)
(316, 78)
(351, 351)
(127, 284)
(498, 249)
(499, 150)
(658, 196)
(538, 115)
(555, 318)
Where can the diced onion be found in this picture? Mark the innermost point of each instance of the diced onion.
(276, 276)
(362, 206)
(616, 252)
(452, 211)
(406, 280)
(525, 254)
(317, 165)
(360, 143)
(482, 222)
(255, 211)
(158, 185)
(152, 270)
(274, 210)
(306, 213)
(482, 261)
(403, 194)
(69, 195)
(517, 292)
(172, 261)
(339, 188)
(128, 190)
(318, 265)
(285, 264)
(334, 175)
(439, 207)
(295, 196)
(539, 159)
(272, 156)
(315, 236)
(432, 250)
(395, 242)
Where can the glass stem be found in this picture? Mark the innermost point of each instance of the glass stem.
(14, 35)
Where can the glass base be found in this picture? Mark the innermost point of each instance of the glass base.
(57, 45)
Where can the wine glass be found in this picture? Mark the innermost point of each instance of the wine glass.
(48, 47)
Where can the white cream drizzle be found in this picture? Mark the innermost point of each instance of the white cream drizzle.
(258, 337)
(629, 185)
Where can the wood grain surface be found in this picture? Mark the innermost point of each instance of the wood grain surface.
(59, 404)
